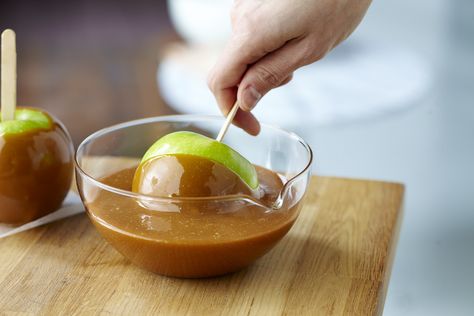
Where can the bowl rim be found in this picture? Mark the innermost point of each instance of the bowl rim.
(185, 118)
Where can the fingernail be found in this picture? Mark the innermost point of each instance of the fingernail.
(250, 97)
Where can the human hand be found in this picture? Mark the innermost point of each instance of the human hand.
(270, 40)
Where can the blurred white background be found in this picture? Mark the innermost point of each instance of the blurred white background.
(423, 136)
(431, 149)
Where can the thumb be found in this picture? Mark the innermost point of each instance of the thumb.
(271, 71)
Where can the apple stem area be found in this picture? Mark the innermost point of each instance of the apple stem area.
(8, 75)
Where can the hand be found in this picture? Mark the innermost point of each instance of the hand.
(270, 40)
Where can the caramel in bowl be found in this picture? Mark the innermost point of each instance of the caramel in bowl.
(198, 236)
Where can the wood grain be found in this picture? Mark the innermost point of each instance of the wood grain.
(335, 261)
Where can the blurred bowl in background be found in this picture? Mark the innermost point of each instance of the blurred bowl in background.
(203, 21)
(359, 80)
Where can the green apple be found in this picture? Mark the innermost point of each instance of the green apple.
(190, 143)
(26, 119)
(36, 164)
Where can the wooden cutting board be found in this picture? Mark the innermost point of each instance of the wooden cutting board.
(335, 261)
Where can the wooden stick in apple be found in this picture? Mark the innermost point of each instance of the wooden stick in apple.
(228, 121)
(8, 78)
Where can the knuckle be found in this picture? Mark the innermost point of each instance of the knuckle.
(322, 52)
(240, 39)
(244, 19)
(244, 43)
(243, 29)
(316, 56)
(212, 82)
(268, 76)
(313, 52)
(309, 52)
(288, 79)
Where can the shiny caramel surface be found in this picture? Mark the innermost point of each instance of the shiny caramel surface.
(186, 176)
(192, 238)
(35, 173)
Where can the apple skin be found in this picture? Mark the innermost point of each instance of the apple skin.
(36, 165)
(190, 143)
(26, 119)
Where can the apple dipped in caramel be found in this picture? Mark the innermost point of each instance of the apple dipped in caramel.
(186, 176)
(212, 213)
(36, 163)
(36, 153)
(186, 164)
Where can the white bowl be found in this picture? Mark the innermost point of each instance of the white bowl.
(203, 21)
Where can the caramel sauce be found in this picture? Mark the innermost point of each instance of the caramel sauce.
(197, 237)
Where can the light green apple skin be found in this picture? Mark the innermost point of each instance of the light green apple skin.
(190, 143)
(26, 119)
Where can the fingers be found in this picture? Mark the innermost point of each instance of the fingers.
(247, 122)
(244, 120)
(271, 71)
(226, 85)
(247, 48)
(243, 50)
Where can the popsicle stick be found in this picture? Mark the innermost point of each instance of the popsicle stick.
(8, 78)
(228, 121)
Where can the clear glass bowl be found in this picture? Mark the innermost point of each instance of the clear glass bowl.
(189, 237)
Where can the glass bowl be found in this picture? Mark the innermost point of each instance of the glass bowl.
(189, 237)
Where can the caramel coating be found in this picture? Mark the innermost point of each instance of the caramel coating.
(186, 176)
(199, 238)
(35, 173)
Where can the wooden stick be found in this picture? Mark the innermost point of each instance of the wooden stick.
(8, 78)
(228, 121)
